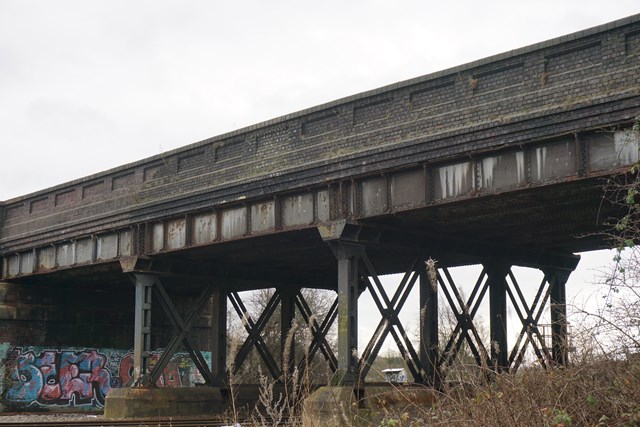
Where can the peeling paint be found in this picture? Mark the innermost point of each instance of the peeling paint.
(204, 228)
(297, 210)
(157, 237)
(65, 255)
(454, 180)
(177, 234)
(263, 217)
(234, 223)
(520, 166)
(486, 171)
(541, 157)
(107, 247)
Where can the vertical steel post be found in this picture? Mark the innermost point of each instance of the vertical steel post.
(348, 293)
(496, 275)
(559, 338)
(429, 329)
(142, 324)
(219, 336)
(287, 314)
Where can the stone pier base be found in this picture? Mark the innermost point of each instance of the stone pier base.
(336, 406)
(162, 402)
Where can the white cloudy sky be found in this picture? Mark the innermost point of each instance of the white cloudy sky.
(89, 85)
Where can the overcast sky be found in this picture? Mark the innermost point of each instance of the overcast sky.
(89, 85)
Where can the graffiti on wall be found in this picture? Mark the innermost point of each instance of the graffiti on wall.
(60, 377)
(175, 374)
(80, 378)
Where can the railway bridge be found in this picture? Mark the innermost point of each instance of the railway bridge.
(499, 162)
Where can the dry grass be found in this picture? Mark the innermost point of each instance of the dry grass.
(605, 393)
(597, 394)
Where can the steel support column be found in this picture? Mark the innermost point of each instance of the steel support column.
(559, 337)
(348, 256)
(287, 344)
(497, 274)
(429, 328)
(219, 336)
(142, 324)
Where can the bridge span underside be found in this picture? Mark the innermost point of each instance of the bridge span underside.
(500, 162)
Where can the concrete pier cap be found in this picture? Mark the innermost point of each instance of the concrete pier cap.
(337, 406)
(142, 402)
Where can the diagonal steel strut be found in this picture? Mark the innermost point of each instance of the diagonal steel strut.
(390, 322)
(319, 333)
(255, 330)
(183, 328)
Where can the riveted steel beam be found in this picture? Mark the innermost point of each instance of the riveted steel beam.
(239, 277)
(451, 250)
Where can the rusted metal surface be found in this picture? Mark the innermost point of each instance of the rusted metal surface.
(503, 171)
(66, 255)
(408, 189)
(451, 181)
(157, 237)
(373, 196)
(205, 228)
(234, 223)
(263, 217)
(107, 247)
(84, 250)
(176, 234)
(297, 210)
(554, 160)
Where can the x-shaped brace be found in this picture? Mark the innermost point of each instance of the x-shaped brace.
(390, 322)
(255, 329)
(529, 324)
(182, 328)
(464, 319)
(319, 333)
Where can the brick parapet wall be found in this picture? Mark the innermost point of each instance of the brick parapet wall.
(577, 82)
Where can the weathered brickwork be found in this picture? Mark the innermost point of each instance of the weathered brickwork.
(574, 83)
(63, 317)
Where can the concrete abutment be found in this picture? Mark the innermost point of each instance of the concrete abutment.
(146, 402)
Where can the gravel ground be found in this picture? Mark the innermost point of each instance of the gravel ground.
(43, 418)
